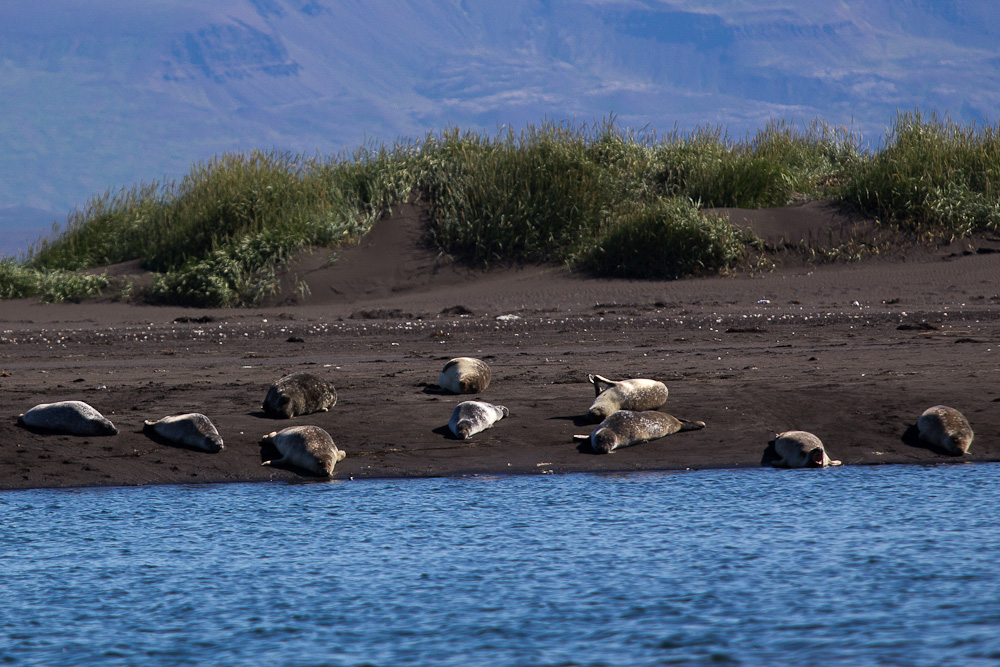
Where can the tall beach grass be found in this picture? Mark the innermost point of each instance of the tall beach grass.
(597, 197)
(932, 176)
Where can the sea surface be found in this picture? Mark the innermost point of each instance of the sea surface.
(886, 565)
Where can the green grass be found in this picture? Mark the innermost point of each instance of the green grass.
(18, 281)
(598, 197)
(932, 176)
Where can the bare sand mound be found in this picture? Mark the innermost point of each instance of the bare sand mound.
(815, 224)
(393, 259)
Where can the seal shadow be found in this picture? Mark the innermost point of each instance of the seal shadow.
(160, 440)
(770, 455)
(39, 431)
(911, 437)
(578, 420)
(260, 414)
(54, 431)
(435, 390)
(446, 432)
(268, 452)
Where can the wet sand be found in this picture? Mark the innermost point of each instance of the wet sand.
(851, 352)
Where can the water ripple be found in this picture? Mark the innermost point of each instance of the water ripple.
(887, 565)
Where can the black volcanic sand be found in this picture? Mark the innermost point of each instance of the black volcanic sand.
(851, 352)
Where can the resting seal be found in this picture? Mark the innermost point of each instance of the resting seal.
(192, 430)
(470, 417)
(947, 428)
(307, 447)
(637, 395)
(464, 375)
(630, 427)
(800, 449)
(300, 393)
(72, 417)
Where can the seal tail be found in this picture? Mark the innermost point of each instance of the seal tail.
(579, 438)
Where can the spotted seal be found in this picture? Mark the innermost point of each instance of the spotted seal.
(470, 417)
(309, 448)
(71, 417)
(800, 449)
(300, 393)
(193, 430)
(624, 428)
(464, 375)
(637, 395)
(946, 428)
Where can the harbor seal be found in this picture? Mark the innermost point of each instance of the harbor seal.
(464, 375)
(637, 395)
(71, 417)
(624, 428)
(309, 448)
(192, 430)
(800, 449)
(470, 417)
(300, 393)
(946, 428)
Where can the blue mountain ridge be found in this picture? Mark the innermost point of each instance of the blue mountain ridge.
(99, 96)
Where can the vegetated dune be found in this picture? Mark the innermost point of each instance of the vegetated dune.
(851, 351)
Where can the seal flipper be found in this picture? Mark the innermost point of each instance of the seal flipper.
(597, 381)
(691, 425)
(579, 438)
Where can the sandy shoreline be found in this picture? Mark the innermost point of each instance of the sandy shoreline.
(851, 352)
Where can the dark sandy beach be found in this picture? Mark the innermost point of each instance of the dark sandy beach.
(853, 352)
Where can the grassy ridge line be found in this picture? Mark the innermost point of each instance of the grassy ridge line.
(596, 197)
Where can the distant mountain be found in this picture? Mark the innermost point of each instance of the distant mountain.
(98, 96)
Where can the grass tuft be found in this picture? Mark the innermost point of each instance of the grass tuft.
(665, 239)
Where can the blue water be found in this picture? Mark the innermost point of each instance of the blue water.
(893, 565)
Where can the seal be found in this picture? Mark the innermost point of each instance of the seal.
(464, 375)
(193, 430)
(946, 428)
(800, 449)
(308, 448)
(625, 428)
(300, 393)
(71, 417)
(637, 395)
(470, 417)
